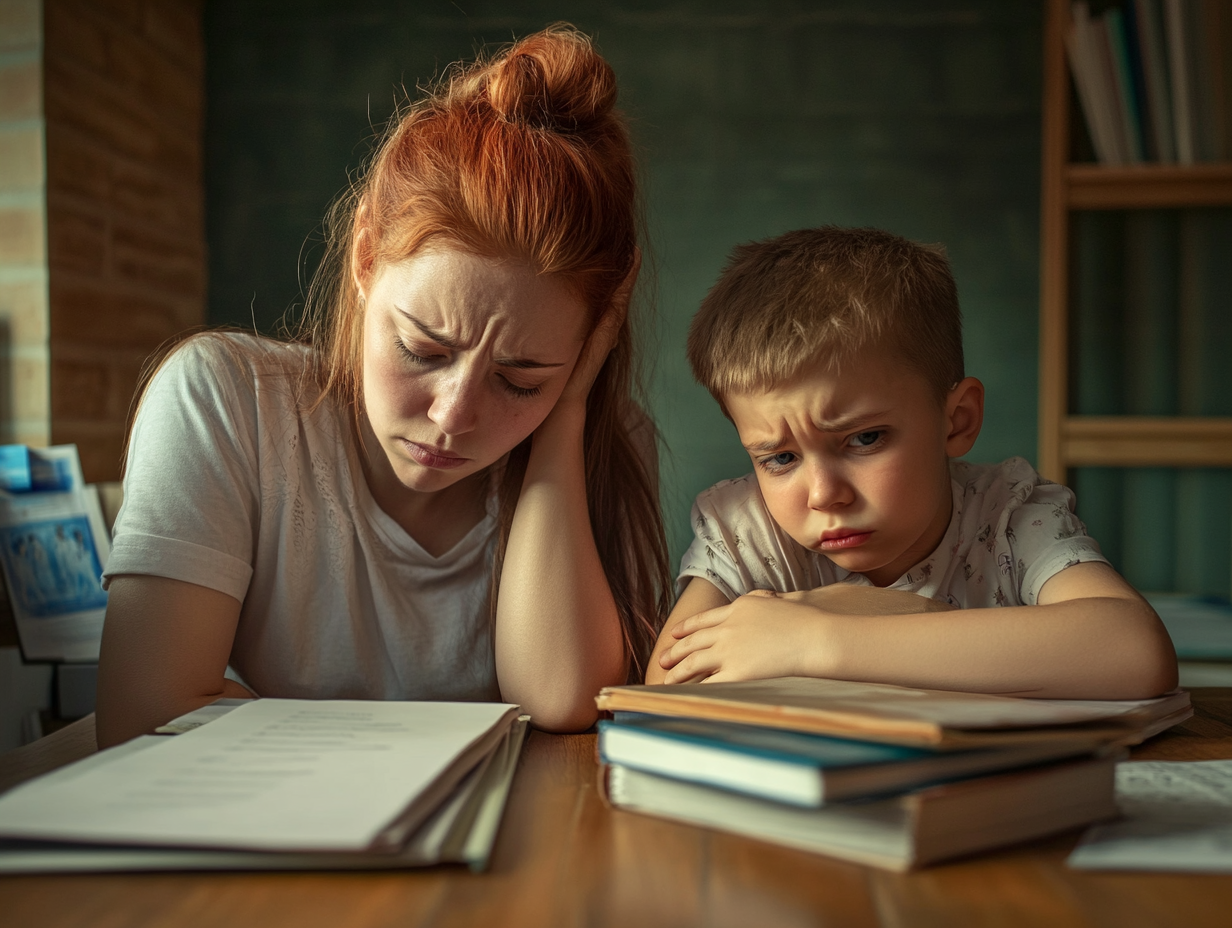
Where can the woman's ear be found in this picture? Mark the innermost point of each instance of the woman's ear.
(964, 416)
(362, 257)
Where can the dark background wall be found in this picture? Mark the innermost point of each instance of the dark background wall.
(921, 116)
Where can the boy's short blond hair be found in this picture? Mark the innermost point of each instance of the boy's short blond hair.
(814, 297)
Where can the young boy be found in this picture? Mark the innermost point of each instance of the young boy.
(860, 548)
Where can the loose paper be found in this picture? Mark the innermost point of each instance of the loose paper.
(1178, 816)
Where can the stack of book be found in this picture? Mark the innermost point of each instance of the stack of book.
(277, 784)
(1153, 79)
(882, 775)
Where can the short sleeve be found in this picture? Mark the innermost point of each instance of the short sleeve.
(1045, 536)
(709, 554)
(739, 548)
(191, 493)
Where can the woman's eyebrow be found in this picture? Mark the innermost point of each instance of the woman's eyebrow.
(454, 345)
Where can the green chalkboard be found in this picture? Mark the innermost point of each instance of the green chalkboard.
(751, 119)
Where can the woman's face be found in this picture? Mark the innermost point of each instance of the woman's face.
(463, 357)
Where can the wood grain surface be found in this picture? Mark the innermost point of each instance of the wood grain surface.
(564, 859)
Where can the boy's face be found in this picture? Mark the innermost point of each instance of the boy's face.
(854, 465)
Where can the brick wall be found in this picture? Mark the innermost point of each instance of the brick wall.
(23, 235)
(123, 106)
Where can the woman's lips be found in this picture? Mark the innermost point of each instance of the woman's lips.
(838, 541)
(427, 456)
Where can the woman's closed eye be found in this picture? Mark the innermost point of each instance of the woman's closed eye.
(515, 390)
(417, 356)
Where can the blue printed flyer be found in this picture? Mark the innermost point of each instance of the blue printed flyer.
(53, 547)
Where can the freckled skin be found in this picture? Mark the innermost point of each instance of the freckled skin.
(441, 399)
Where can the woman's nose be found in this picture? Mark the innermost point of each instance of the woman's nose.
(829, 488)
(455, 403)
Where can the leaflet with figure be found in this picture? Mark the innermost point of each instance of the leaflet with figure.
(53, 547)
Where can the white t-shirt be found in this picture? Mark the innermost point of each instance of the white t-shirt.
(1010, 531)
(233, 485)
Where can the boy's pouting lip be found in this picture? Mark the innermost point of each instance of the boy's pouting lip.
(853, 462)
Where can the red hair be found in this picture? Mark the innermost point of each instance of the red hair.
(519, 156)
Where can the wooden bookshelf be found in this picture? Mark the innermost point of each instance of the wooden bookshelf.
(1067, 440)
(1148, 186)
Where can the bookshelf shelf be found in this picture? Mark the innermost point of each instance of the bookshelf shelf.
(1149, 186)
(1139, 441)
(1067, 440)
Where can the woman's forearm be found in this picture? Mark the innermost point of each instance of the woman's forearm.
(558, 633)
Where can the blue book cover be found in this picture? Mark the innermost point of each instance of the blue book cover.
(797, 768)
(789, 747)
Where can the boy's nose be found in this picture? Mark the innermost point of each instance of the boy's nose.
(828, 489)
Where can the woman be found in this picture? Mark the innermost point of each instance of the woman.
(442, 489)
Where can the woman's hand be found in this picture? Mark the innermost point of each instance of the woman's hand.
(558, 632)
(602, 340)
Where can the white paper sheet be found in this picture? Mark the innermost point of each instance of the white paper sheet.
(272, 774)
(1178, 816)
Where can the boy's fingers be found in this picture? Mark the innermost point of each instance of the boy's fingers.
(693, 623)
(697, 664)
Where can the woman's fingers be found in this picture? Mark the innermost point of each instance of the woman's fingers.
(603, 339)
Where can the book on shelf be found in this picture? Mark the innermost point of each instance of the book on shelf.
(797, 768)
(897, 833)
(1151, 78)
(277, 784)
(903, 715)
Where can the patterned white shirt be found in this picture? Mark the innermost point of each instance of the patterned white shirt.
(1010, 532)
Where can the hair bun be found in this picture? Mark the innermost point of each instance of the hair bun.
(552, 80)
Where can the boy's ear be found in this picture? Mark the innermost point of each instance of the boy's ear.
(964, 416)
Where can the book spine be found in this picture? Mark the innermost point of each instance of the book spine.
(1122, 73)
(1106, 68)
(1137, 73)
(1204, 49)
(1093, 95)
(1178, 70)
(1149, 25)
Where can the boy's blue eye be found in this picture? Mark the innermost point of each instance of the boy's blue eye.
(865, 439)
(783, 458)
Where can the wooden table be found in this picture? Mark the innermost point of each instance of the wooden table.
(564, 859)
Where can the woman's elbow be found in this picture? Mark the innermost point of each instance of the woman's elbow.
(563, 720)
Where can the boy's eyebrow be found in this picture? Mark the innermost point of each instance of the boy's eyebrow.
(453, 345)
(843, 424)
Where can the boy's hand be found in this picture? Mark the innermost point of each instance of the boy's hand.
(764, 634)
(759, 635)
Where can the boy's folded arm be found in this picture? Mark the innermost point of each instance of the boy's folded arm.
(1091, 636)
